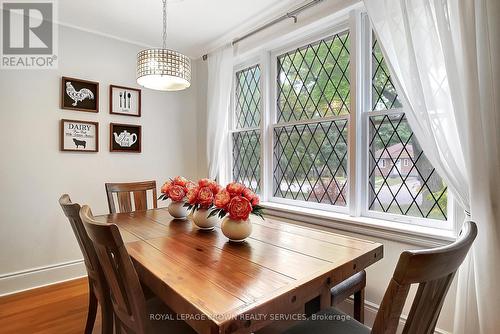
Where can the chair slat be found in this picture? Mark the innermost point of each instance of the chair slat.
(140, 200)
(125, 190)
(124, 202)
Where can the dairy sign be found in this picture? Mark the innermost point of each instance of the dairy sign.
(80, 136)
(29, 34)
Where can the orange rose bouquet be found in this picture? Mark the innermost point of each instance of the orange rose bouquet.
(237, 201)
(176, 189)
(202, 196)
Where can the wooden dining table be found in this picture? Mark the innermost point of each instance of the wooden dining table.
(218, 286)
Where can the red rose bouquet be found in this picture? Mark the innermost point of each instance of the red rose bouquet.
(176, 189)
(237, 201)
(202, 196)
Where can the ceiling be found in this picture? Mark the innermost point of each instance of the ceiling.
(194, 26)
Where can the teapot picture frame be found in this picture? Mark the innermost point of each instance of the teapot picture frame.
(125, 138)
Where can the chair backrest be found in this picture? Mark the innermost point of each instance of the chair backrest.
(123, 192)
(433, 270)
(126, 293)
(72, 212)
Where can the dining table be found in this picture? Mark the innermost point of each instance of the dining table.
(219, 286)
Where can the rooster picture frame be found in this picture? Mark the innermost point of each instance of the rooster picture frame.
(80, 95)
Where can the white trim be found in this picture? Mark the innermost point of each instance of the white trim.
(255, 128)
(385, 229)
(336, 27)
(311, 121)
(305, 204)
(354, 123)
(266, 134)
(102, 34)
(41, 276)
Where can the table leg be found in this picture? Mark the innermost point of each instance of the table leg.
(325, 299)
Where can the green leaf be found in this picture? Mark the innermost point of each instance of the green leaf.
(213, 213)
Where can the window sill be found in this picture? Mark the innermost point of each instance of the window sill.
(385, 229)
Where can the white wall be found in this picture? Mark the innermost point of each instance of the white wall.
(34, 173)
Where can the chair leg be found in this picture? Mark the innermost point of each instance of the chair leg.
(118, 326)
(107, 318)
(92, 311)
(359, 305)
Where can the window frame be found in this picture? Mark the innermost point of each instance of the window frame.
(336, 28)
(365, 113)
(360, 67)
(232, 126)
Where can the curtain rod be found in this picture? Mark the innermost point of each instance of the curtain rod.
(289, 15)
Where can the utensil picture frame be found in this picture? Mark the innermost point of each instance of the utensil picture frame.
(79, 94)
(125, 138)
(77, 135)
(124, 101)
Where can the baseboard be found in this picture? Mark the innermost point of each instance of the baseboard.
(41, 276)
(371, 310)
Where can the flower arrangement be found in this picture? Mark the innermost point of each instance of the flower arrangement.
(176, 189)
(201, 196)
(237, 201)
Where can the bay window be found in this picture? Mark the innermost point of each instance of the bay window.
(318, 123)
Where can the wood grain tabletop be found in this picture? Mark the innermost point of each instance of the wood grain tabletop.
(223, 287)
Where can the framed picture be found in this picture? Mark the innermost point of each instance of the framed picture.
(125, 138)
(79, 136)
(124, 101)
(81, 95)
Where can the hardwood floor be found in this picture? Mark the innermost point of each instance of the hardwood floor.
(56, 309)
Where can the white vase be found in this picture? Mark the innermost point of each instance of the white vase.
(178, 210)
(201, 219)
(236, 230)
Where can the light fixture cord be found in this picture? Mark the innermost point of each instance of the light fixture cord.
(164, 24)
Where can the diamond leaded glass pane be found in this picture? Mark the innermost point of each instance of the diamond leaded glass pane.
(248, 97)
(401, 179)
(384, 95)
(246, 158)
(310, 162)
(313, 81)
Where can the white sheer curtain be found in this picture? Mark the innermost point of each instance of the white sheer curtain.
(445, 58)
(220, 75)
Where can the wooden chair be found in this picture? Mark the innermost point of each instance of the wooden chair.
(432, 269)
(123, 192)
(127, 297)
(97, 283)
(354, 285)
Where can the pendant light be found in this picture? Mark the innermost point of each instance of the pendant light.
(163, 69)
